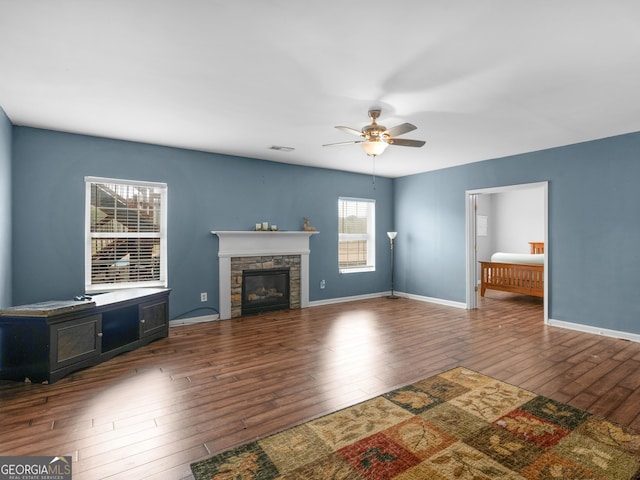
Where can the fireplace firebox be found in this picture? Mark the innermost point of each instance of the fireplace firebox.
(265, 290)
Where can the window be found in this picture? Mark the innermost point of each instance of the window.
(356, 235)
(126, 234)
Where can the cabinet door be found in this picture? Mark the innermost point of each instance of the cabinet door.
(75, 340)
(154, 318)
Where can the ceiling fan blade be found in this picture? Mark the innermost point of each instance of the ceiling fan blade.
(350, 130)
(341, 143)
(404, 142)
(400, 129)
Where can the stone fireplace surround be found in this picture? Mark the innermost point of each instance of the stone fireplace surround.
(246, 249)
(269, 262)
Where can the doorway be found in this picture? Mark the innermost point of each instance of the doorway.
(473, 226)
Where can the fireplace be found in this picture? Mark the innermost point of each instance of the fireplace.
(265, 290)
(248, 250)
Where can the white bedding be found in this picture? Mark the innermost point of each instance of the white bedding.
(520, 258)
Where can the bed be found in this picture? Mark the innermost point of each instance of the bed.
(515, 272)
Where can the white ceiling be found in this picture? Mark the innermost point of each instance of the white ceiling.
(479, 78)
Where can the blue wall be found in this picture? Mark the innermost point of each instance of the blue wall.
(5, 210)
(206, 192)
(594, 225)
(594, 228)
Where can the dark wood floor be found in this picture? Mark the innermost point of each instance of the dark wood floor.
(208, 387)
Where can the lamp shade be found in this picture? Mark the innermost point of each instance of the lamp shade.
(392, 235)
(374, 147)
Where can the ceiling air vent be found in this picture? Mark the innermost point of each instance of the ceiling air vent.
(280, 148)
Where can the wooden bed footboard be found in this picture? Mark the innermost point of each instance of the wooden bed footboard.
(512, 277)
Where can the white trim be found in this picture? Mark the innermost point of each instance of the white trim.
(194, 320)
(259, 244)
(507, 188)
(357, 270)
(472, 254)
(369, 237)
(634, 337)
(162, 235)
(356, 199)
(471, 251)
(142, 183)
(331, 301)
(224, 287)
(438, 301)
(87, 232)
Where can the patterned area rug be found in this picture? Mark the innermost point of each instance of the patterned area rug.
(457, 425)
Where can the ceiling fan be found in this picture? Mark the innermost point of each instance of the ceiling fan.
(376, 138)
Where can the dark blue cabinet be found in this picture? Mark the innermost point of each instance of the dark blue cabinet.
(43, 342)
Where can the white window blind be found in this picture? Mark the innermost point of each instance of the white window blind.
(356, 235)
(126, 235)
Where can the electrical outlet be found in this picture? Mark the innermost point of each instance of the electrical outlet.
(322, 283)
(203, 297)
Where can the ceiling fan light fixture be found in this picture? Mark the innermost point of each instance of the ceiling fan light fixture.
(374, 148)
(375, 138)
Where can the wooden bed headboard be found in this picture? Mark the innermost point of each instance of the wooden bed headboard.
(536, 247)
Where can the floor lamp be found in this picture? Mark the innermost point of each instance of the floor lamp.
(392, 236)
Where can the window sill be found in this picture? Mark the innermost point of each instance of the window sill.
(358, 270)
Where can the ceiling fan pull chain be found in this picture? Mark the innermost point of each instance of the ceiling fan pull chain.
(373, 159)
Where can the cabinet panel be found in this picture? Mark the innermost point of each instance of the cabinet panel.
(153, 318)
(75, 340)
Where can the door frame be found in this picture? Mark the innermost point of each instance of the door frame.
(472, 254)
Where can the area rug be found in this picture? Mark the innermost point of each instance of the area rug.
(459, 424)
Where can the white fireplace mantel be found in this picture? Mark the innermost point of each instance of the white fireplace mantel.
(256, 244)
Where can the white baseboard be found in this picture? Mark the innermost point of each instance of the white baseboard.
(634, 337)
(420, 298)
(329, 301)
(439, 301)
(193, 320)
